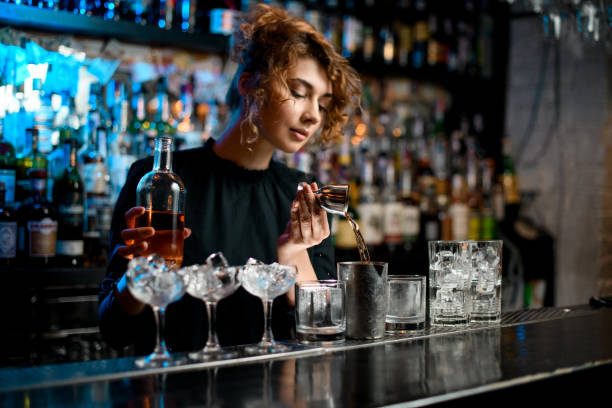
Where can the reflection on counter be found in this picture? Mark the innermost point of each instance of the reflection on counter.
(463, 360)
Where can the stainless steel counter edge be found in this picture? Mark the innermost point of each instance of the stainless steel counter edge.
(105, 370)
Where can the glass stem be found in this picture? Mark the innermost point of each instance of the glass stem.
(267, 337)
(160, 320)
(213, 341)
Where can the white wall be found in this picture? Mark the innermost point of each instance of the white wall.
(563, 158)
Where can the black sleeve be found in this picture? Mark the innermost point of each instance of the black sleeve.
(118, 328)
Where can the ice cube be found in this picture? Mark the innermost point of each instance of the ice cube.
(217, 260)
(491, 257)
(155, 260)
(138, 265)
(253, 261)
(443, 260)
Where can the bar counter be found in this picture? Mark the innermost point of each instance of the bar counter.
(549, 355)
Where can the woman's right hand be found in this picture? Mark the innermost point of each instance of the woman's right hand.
(134, 238)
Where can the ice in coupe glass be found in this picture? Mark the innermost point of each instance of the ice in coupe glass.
(450, 267)
(267, 282)
(486, 280)
(212, 282)
(152, 282)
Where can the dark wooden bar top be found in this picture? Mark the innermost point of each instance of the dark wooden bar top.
(554, 355)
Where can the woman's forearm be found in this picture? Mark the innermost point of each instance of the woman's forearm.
(305, 270)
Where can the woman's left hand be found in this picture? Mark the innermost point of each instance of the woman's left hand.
(308, 225)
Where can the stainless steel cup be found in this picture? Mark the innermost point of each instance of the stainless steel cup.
(366, 298)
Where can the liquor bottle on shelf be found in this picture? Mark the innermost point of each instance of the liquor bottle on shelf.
(162, 123)
(421, 34)
(488, 229)
(474, 189)
(68, 196)
(139, 125)
(37, 224)
(98, 208)
(161, 13)
(27, 161)
(392, 209)
(370, 207)
(510, 181)
(7, 167)
(410, 211)
(459, 210)
(57, 160)
(8, 231)
(428, 205)
(184, 15)
(162, 193)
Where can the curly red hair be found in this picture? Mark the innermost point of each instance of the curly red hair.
(267, 42)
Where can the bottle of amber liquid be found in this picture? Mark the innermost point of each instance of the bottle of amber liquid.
(37, 223)
(162, 193)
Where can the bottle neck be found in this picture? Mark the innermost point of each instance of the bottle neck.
(163, 154)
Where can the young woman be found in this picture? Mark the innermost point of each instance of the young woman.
(291, 87)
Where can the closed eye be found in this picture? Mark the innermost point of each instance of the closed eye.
(323, 109)
(296, 95)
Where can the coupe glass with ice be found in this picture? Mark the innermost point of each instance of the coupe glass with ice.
(486, 280)
(211, 282)
(152, 282)
(450, 267)
(267, 282)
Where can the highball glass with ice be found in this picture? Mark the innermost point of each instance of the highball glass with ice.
(486, 280)
(450, 301)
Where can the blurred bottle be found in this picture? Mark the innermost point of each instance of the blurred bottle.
(7, 167)
(139, 124)
(184, 15)
(459, 211)
(68, 196)
(421, 34)
(8, 231)
(162, 120)
(392, 209)
(488, 229)
(474, 188)
(510, 181)
(28, 160)
(370, 208)
(410, 203)
(37, 223)
(98, 209)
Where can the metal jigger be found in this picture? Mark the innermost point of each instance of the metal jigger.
(333, 198)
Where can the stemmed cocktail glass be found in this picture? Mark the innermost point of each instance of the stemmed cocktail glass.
(212, 282)
(152, 282)
(267, 282)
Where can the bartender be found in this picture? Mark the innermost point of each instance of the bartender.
(291, 88)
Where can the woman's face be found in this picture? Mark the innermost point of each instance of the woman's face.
(290, 121)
